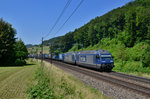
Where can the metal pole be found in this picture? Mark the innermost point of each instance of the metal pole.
(36, 53)
(51, 54)
(82, 47)
(42, 49)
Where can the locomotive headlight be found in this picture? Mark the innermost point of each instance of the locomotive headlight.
(111, 61)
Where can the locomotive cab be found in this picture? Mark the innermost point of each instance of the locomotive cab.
(105, 62)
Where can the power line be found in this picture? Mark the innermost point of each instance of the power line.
(69, 17)
(64, 9)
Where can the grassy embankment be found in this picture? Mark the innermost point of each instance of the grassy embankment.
(53, 83)
(14, 81)
(127, 60)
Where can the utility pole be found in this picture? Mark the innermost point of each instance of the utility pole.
(42, 49)
(36, 53)
(82, 46)
(50, 52)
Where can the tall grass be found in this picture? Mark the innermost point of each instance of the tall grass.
(53, 83)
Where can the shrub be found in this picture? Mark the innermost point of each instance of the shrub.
(41, 90)
(137, 51)
(19, 62)
(146, 57)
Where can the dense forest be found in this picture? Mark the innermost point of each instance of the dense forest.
(129, 24)
(124, 31)
(12, 50)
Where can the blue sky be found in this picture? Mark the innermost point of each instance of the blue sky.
(33, 19)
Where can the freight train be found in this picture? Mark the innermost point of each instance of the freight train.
(97, 59)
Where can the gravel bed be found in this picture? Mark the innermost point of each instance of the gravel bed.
(107, 89)
(129, 80)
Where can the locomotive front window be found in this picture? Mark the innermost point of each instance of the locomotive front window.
(106, 58)
(97, 56)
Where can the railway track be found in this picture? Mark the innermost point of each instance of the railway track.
(131, 77)
(112, 80)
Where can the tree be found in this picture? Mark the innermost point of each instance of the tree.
(148, 34)
(92, 35)
(146, 57)
(21, 50)
(7, 41)
(130, 28)
(21, 53)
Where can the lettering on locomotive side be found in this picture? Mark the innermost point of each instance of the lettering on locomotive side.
(83, 58)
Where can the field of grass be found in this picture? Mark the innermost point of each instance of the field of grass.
(42, 82)
(14, 81)
(53, 83)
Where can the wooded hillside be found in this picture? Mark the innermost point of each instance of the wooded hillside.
(129, 24)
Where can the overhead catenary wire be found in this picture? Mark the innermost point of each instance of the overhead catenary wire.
(59, 17)
(69, 17)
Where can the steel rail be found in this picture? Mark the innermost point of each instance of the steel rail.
(131, 77)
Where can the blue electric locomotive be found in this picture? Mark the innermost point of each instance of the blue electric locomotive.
(99, 59)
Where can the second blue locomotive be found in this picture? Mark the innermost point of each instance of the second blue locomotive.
(98, 59)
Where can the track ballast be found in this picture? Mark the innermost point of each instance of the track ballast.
(112, 80)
